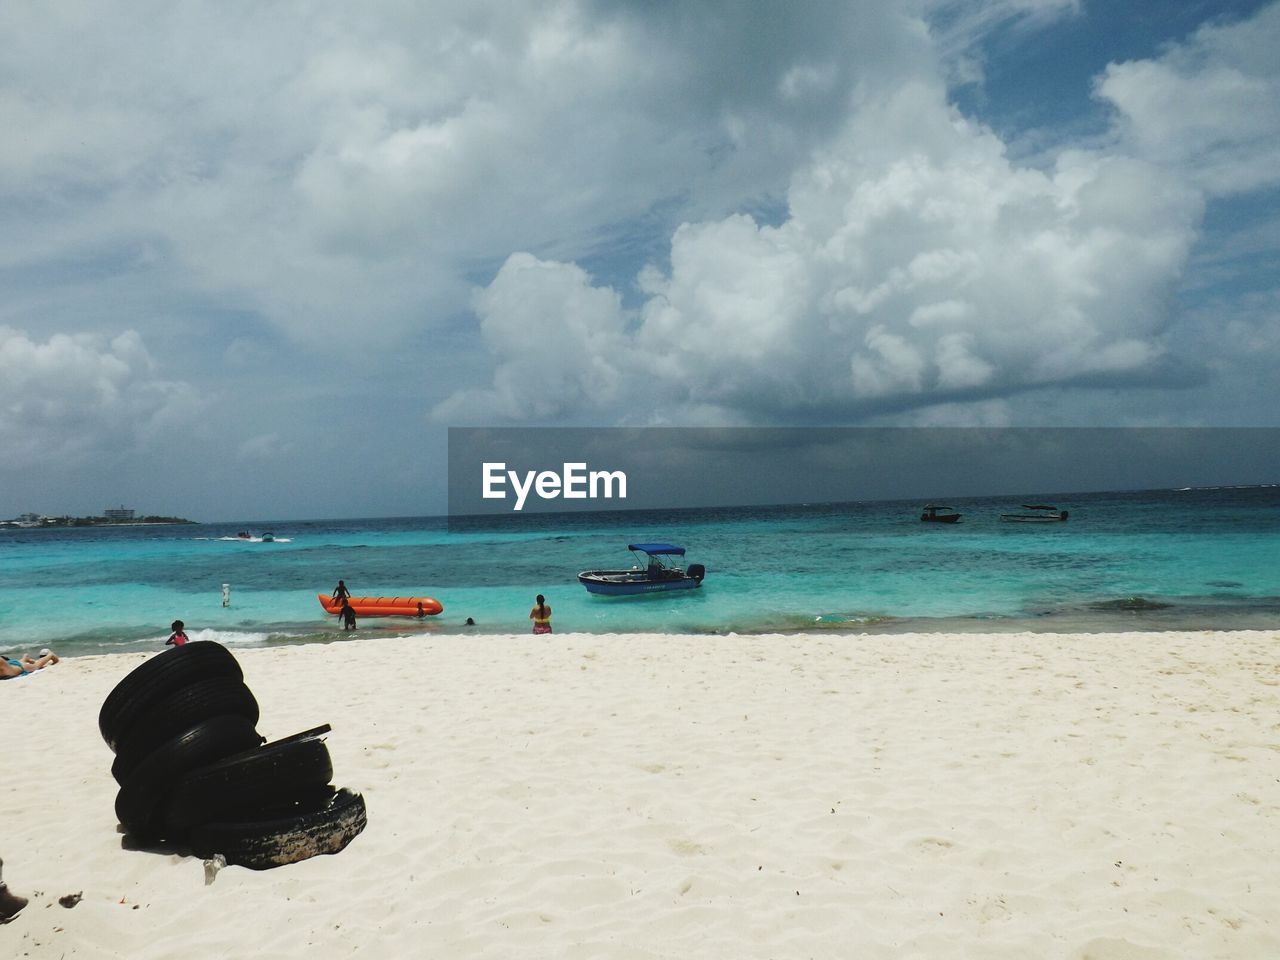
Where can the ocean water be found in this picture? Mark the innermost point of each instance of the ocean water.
(1149, 560)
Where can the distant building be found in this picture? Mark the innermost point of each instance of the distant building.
(119, 513)
(29, 518)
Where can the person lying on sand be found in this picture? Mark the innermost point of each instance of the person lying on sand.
(9, 667)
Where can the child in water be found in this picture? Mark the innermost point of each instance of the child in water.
(179, 635)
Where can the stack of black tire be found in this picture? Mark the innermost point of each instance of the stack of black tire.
(193, 769)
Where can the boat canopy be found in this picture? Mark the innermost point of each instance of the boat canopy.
(657, 549)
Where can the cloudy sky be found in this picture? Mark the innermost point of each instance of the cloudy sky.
(256, 258)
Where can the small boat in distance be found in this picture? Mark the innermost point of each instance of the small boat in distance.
(655, 574)
(384, 606)
(931, 514)
(1047, 514)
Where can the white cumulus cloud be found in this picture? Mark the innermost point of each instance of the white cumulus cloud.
(556, 337)
(1209, 107)
(918, 266)
(76, 395)
(341, 170)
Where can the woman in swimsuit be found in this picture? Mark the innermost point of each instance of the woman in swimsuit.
(541, 616)
(10, 667)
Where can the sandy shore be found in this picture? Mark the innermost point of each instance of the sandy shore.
(1008, 796)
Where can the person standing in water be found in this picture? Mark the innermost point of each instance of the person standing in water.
(541, 616)
(179, 635)
(348, 616)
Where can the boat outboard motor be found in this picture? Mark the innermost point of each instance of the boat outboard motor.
(1062, 514)
(696, 571)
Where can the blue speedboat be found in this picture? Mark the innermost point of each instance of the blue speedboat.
(653, 572)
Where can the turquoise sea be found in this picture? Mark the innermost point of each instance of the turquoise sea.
(1147, 560)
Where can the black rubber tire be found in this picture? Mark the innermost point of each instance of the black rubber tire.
(305, 800)
(164, 673)
(143, 800)
(239, 788)
(181, 710)
(263, 844)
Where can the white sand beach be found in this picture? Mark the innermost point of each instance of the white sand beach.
(1109, 797)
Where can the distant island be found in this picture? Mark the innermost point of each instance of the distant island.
(113, 517)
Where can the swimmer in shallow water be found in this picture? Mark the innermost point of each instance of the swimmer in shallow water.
(179, 635)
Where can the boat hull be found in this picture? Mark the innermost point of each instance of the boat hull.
(1017, 518)
(384, 606)
(941, 518)
(629, 583)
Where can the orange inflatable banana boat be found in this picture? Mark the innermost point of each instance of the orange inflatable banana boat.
(385, 606)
